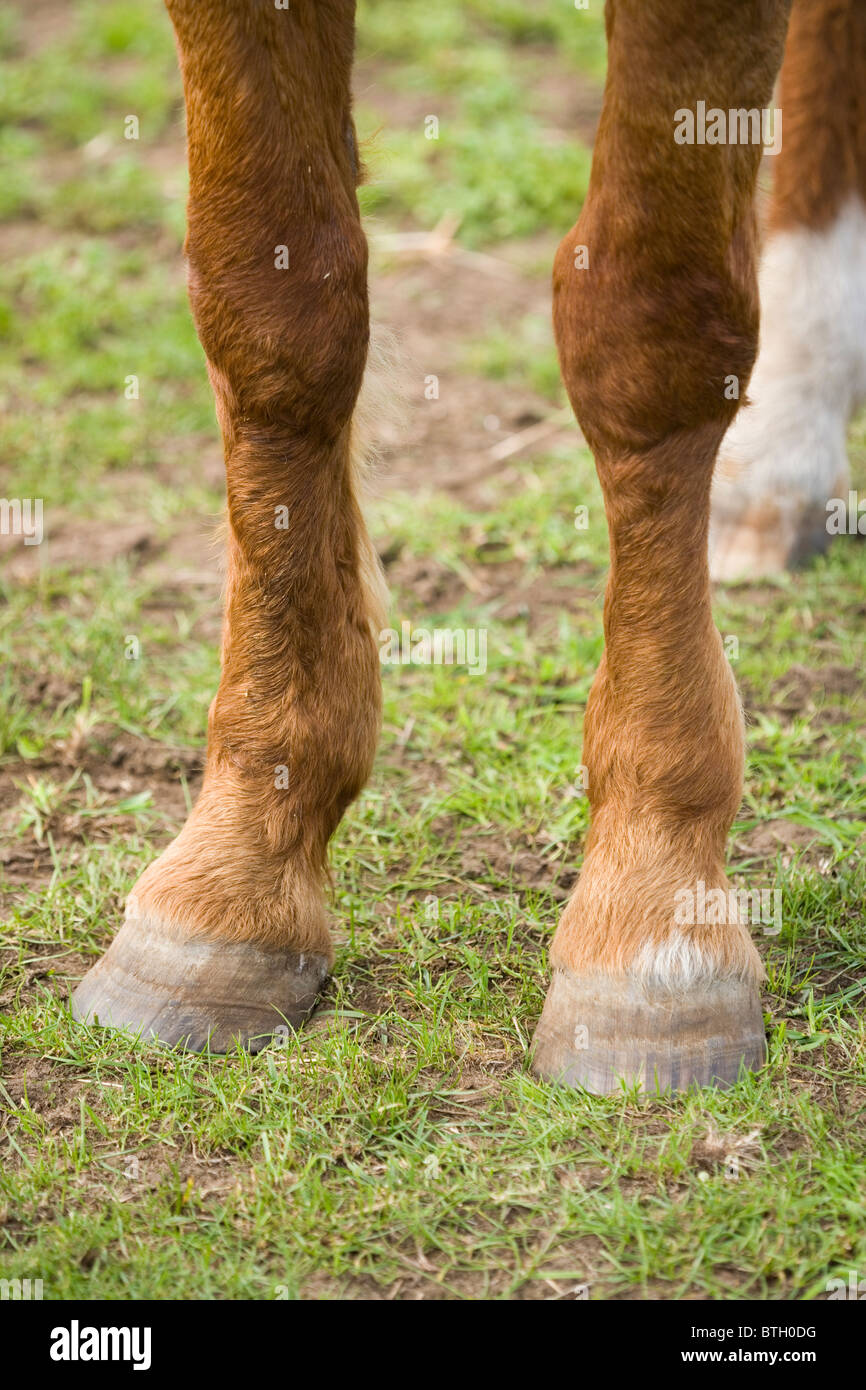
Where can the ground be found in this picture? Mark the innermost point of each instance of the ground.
(400, 1147)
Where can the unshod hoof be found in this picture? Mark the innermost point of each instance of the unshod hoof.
(198, 992)
(597, 1031)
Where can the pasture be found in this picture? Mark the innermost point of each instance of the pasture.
(398, 1148)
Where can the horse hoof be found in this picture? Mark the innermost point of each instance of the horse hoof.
(597, 1031)
(764, 541)
(198, 992)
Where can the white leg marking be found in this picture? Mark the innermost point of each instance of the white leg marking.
(784, 456)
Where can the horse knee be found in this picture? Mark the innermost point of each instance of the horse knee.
(651, 342)
(286, 331)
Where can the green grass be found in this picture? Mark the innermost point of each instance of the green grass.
(495, 163)
(400, 1146)
(523, 353)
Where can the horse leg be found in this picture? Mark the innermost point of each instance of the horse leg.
(226, 933)
(784, 457)
(655, 308)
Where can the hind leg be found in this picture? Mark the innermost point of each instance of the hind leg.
(226, 933)
(784, 457)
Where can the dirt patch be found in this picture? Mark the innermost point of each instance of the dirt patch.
(801, 687)
(503, 590)
(781, 837)
(567, 102)
(39, 24)
(25, 238)
(48, 1090)
(102, 771)
(187, 556)
(432, 306)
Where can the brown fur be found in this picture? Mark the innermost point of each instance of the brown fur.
(822, 161)
(647, 334)
(273, 161)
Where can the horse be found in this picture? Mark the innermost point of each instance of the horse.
(656, 317)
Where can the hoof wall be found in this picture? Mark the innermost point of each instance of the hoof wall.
(598, 1031)
(195, 992)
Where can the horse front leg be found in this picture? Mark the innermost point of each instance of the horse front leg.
(656, 309)
(226, 933)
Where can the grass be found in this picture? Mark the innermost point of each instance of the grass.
(400, 1146)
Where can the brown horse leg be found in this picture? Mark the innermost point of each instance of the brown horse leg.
(652, 319)
(226, 933)
(784, 458)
